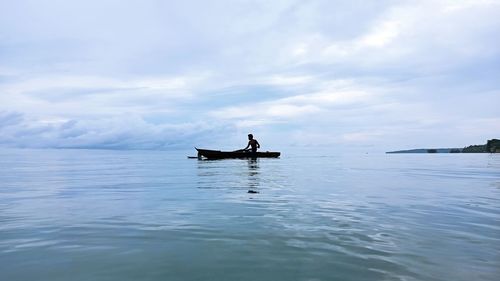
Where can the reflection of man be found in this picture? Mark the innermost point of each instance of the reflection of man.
(253, 143)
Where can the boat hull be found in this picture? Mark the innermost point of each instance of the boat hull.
(217, 154)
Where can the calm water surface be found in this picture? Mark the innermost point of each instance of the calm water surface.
(145, 215)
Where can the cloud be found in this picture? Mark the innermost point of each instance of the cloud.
(430, 37)
(120, 132)
(154, 74)
(69, 96)
(333, 94)
(9, 119)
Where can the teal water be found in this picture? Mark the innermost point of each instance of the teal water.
(149, 215)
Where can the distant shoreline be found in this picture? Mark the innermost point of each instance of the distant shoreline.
(491, 146)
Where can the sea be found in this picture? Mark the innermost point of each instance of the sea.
(308, 215)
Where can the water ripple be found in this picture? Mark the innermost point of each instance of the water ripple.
(143, 215)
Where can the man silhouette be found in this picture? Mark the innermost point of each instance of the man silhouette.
(252, 143)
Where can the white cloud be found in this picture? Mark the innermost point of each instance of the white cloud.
(297, 106)
(287, 80)
(69, 96)
(457, 5)
(383, 34)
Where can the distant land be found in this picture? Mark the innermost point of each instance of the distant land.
(491, 146)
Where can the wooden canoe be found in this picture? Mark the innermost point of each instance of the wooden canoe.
(217, 154)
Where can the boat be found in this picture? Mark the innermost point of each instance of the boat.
(217, 154)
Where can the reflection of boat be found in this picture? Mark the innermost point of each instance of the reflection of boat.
(217, 154)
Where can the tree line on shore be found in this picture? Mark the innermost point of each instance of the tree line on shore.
(491, 146)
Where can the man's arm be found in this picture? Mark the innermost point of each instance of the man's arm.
(258, 144)
(248, 145)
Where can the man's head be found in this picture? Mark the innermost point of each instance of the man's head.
(250, 136)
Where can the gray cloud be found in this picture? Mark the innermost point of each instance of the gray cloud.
(119, 132)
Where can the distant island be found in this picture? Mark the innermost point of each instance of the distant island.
(491, 146)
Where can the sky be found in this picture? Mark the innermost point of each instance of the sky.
(151, 74)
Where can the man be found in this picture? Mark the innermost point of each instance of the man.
(253, 143)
